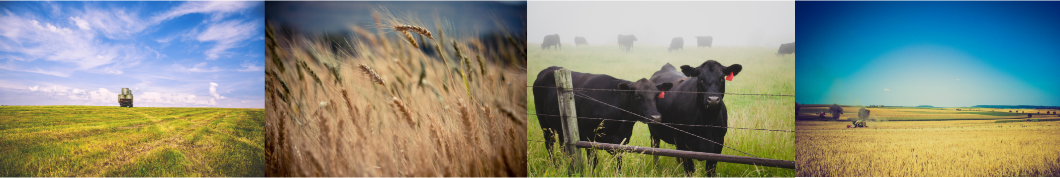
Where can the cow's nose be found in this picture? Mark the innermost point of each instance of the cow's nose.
(656, 117)
(713, 98)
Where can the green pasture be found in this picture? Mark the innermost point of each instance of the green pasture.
(95, 141)
(763, 72)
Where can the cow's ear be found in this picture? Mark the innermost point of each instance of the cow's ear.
(665, 86)
(689, 71)
(624, 86)
(734, 69)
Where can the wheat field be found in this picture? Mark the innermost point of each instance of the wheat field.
(763, 72)
(384, 107)
(946, 146)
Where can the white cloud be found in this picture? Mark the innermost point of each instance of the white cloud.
(157, 54)
(212, 102)
(81, 23)
(249, 66)
(886, 89)
(30, 39)
(117, 23)
(219, 9)
(201, 67)
(115, 72)
(227, 35)
(213, 91)
(103, 95)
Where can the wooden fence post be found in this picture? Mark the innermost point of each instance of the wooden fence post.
(568, 118)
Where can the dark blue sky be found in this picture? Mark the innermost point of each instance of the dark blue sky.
(930, 53)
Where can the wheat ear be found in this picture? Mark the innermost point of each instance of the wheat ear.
(408, 36)
(375, 77)
(404, 111)
(413, 28)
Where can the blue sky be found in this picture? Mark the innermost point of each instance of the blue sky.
(171, 54)
(928, 53)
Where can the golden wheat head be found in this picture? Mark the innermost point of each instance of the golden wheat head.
(371, 74)
(415, 29)
(404, 111)
(408, 36)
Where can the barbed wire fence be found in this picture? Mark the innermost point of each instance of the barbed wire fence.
(578, 93)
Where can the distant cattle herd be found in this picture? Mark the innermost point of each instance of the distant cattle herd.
(677, 44)
(551, 40)
(625, 42)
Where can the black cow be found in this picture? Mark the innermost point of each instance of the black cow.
(626, 41)
(676, 44)
(786, 48)
(551, 40)
(578, 41)
(702, 41)
(693, 109)
(641, 102)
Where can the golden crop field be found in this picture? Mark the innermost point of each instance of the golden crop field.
(97, 141)
(383, 106)
(948, 147)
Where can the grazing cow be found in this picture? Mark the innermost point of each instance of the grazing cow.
(684, 107)
(626, 41)
(551, 40)
(786, 48)
(578, 41)
(641, 102)
(677, 44)
(702, 41)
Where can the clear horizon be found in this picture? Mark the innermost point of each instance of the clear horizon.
(949, 54)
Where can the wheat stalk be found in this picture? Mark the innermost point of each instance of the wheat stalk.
(462, 72)
(413, 28)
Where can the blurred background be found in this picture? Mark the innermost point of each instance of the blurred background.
(335, 18)
(765, 24)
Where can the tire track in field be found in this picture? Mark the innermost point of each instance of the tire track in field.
(195, 152)
(129, 155)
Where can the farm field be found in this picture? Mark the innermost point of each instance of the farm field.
(97, 141)
(925, 114)
(967, 143)
(763, 72)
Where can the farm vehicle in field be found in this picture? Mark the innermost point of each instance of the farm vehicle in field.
(862, 120)
(125, 99)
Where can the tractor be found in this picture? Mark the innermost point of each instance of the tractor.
(125, 99)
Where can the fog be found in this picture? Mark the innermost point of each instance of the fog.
(766, 24)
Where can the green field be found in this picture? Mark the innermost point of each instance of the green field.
(763, 72)
(97, 141)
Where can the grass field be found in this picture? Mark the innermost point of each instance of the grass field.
(763, 72)
(96, 141)
(943, 142)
